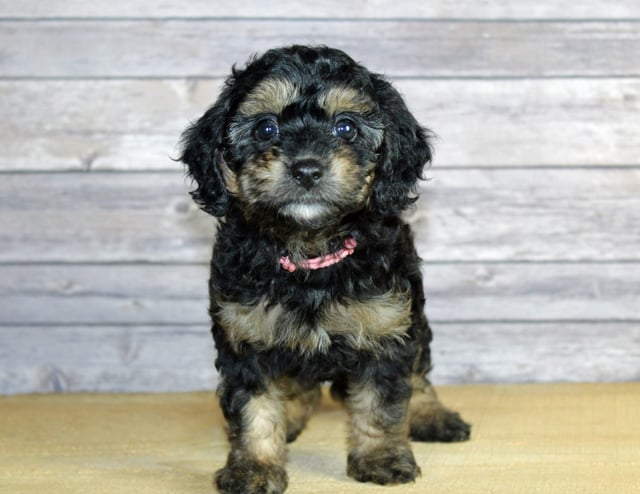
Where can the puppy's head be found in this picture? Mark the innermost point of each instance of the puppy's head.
(305, 136)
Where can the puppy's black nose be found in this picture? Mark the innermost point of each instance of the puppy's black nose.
(307, 173)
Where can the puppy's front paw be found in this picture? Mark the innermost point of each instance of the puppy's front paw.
(389, 465)
(250, 477)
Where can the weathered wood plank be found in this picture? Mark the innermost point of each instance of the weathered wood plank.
(125, 48)
(97, 124)
(97, 217)
(106, 359)
(179, 358)
(463, 215)
(533, 292)
(535, 214)
(118, 294)
(177, 294)
(63, 125)
(493, 352)
(528, 94)
(441, 9)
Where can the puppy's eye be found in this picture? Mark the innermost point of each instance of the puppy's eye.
(345, 129)
(266, 130)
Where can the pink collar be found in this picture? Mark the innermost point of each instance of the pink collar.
(349, 245)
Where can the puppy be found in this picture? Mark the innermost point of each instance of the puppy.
(308, 159)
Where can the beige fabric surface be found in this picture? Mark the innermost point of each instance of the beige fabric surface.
(526, 439)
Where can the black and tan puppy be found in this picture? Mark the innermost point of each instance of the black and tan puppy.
(308, 159)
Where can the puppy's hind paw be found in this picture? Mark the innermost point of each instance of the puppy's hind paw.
(439, 424)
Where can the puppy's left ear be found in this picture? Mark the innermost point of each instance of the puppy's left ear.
(404, 153)
(203, 153)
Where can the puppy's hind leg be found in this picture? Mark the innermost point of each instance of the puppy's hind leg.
(429, 419)
(300, 403)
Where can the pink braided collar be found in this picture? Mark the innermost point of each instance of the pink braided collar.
(349, 245)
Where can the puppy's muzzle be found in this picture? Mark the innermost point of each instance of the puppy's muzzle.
(307, 173)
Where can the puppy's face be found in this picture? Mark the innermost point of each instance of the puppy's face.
(304, 151)
(304, 137)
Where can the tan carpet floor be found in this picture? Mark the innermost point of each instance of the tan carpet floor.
(562, 439)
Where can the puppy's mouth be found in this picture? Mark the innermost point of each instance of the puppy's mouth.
(307, 211)
(319, 207)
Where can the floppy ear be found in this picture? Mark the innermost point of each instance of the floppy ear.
(405, 150)
(203, 153)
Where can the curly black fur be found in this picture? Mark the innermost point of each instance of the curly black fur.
(303, 148)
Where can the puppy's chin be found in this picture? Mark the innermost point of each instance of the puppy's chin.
(310, 215)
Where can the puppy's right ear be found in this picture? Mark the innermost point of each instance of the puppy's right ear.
(203, 153)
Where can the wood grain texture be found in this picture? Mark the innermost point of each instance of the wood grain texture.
(133, 124)
(530, 214)
(127, 48)
(536, 352)
(106, 358)
(463, 215)
(355, 9)
(180, 358)
(529, 225)
(177, 294)
(125, 217)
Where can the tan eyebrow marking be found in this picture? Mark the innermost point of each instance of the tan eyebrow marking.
(344, 99)
(269, 96)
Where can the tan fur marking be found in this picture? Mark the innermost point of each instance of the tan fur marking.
(424, 401)
(298, 412)
(229, 177)
(299, 405)
(261, 174)
(347, 173)
(422, 387)
(265, 427)
(365, 324)
(264, 327)
(344, 99)
(269, 96)
(365, 436)
(253, 324)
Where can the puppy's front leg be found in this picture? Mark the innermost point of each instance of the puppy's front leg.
(257, 433)
(379, 449)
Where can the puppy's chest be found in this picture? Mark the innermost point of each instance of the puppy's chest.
(365, 325)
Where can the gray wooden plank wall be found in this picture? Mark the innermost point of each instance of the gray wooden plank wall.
(529, 226)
